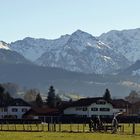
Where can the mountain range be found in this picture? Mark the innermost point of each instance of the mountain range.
(79, 62)
(80, 52)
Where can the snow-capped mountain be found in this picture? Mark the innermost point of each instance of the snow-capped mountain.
(32, 48)
(8, 56)
(83, 53)
(79, 52)
(126, 42)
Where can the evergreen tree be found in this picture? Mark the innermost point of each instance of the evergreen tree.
(107, 95)
(2, 95)
(39, 101)
(51, 99)
(1, 89)
(5, 97)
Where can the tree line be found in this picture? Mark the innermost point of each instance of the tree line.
(52, 100)
(5, 97)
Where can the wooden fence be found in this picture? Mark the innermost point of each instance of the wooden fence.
(58, 126)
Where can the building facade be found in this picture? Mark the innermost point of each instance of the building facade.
(14, 110)
(90, 107)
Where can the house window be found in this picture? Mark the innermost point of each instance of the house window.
(84, 108)
(94, 109)
(24, 109)
(14, 109)
(104, 109)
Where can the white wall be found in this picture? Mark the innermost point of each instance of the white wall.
(19, 112)
(89, 112)
(94, 105)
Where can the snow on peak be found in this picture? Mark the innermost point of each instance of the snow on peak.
(126, 42)
(32, 48)
(83, 53)
(80, 40)
(79, 51)
(4, 45)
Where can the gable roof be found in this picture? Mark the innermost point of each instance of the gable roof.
(86, 101)
(116, 103)
(18, 102)
(13, 102)
(82, 102)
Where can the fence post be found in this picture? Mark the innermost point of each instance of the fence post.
(1, 125)
(78, 127)
(122, 128)
(51, 123)
(41, 126)
(7, 126)
(83, 127)
(15, 127)
(37, 125)
(54, 126)
(30, 127)
(23, 127)
(70, 127)
(51, 127)
(48, 126)
(133, 128)
(59, 126)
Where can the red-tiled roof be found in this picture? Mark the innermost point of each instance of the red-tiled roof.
(42, 111)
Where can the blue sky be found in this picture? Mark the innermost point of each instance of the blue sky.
(53, 18)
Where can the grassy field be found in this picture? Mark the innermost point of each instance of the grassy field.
(64, 136)
(126, 135)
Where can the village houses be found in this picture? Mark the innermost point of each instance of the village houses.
(14, 110)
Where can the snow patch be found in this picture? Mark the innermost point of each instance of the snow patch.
(106, 58)
(3, 45)
(136, 72)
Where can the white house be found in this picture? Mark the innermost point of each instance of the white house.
(15, 109)
(90, 107)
